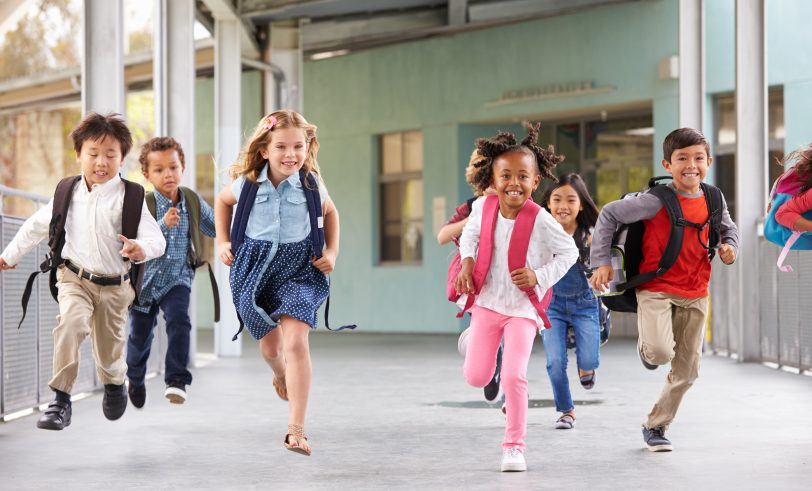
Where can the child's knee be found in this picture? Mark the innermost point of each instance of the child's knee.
(477, 375)
(657, 354)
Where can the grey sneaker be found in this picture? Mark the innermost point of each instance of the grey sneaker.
(655, 439)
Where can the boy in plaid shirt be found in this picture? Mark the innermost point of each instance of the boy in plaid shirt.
(167, 279)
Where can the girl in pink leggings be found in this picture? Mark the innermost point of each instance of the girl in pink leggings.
(501, 307)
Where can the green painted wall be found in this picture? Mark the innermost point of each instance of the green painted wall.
(442, 86)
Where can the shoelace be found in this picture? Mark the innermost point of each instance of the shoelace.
(659, 432)
(513, 452)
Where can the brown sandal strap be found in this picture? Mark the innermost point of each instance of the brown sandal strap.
(296, 431)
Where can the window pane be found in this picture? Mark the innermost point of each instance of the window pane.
(608, 185)
(392, 153)
(727, 121)
(391, 202)
(390, 244)
(413, 151)
(568, 143)
(413, 200)
(413, 241)
(637, 176)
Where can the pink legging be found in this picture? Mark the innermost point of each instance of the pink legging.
(487, 329)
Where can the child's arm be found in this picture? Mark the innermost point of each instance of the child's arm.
(223, 210)
(450, 231)
(789, 214)
(562, 247)
(469, 242)
(32, 232)
(207, 219)
(149, 242)
(730, 237)
(327, 261)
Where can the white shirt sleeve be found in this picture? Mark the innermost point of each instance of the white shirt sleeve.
(150, 237)
(32, 232)
(558, 243)
(469, 240)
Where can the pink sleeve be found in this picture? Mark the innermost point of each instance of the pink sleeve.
(791, 211)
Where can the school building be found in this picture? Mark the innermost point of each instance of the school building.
(400, 90)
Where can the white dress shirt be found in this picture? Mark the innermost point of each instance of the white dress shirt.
(91, 230)
(550, 255)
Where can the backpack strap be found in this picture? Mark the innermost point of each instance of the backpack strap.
(196, 244)
(714, 201)
(130, 220)
(247, 196)
(152, 205)
(668, 197)
(517, 255)
(56, 241)
(490, 209)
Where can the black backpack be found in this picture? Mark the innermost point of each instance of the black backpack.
(130, 219)
(239, 224)
(627, 242)
(195, 239)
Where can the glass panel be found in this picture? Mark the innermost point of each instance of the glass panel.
(390, 243)
(637, 176)
(775, 117)
(392, 153)
(568, 143)
(726, 132)
(413, 151)
(141, 121)
(391, 201)
(608, 185)
(413, 241)
(137, 26)
(413, 200)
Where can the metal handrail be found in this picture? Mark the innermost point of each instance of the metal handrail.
(16, 193)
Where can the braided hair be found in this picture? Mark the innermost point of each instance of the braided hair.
(489, 149)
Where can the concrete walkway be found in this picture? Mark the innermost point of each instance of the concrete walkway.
(393, 412)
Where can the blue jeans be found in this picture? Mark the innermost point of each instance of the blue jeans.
(581, 311)
(175, 306)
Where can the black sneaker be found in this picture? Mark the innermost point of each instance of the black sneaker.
(655, 439)
(175, 392)
(138, 395)
(114, 402)
(644, 362)
(56, 417)
(492, 389)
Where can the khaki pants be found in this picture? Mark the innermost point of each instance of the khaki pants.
(87, 308)
(671, 328)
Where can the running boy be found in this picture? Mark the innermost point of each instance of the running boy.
(672, 308)
(94, 283)
(183, 216)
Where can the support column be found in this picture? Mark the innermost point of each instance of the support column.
(691, 64)
(227, 142)
(751, 164)
(103, 57)
(173, 82)
(287, 54)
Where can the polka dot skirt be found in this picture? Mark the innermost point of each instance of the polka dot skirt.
(290, 285)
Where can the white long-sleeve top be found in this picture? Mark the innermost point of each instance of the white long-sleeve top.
(550, 255)
(91, 230)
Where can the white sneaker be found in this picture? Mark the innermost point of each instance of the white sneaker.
(175, 392)
(462, 342)
(513, 460)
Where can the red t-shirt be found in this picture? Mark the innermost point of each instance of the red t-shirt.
(689, 276)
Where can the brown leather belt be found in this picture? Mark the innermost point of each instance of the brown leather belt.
(94, 278)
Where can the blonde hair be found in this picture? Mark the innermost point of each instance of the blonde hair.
(470, 171)
(251, 163)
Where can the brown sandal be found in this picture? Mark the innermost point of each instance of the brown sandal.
(281, 387)
(296, 434)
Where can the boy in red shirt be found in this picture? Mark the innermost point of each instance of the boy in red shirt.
(672, 308)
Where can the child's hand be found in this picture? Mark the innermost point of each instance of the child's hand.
(727, 254)
(524, 278)
(4, 265)
(225, 254)
(172, 218)
(601, 277)
(131, 250)
(465, 279)
(326, 262)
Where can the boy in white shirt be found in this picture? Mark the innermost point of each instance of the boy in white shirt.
(93, 280)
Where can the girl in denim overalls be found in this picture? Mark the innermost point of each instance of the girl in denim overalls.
(275, 279)
(573, 301)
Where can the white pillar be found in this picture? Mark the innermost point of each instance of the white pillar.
(173, 81)
(103, 57)
(691, 64)
(751, 163)
(227, 142)
(287, 54)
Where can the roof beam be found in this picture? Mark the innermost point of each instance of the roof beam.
(225, 10)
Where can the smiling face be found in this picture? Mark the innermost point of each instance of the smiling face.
(688, 167)
(565, 205)
(164, 171)
(100, 160)
(286, 153)
(515, 177)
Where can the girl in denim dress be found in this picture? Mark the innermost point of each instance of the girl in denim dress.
(573, 303)
(275, 278)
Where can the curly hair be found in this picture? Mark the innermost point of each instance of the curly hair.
(489, 149)
(803, 166)
(160, 144)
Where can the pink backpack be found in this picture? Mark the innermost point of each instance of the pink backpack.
(517, 256)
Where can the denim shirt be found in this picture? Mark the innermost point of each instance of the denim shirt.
(286, 203)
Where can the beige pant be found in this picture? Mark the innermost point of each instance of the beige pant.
(671, 328)
(87, 308)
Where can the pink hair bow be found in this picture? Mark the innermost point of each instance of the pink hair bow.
(270, 122)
